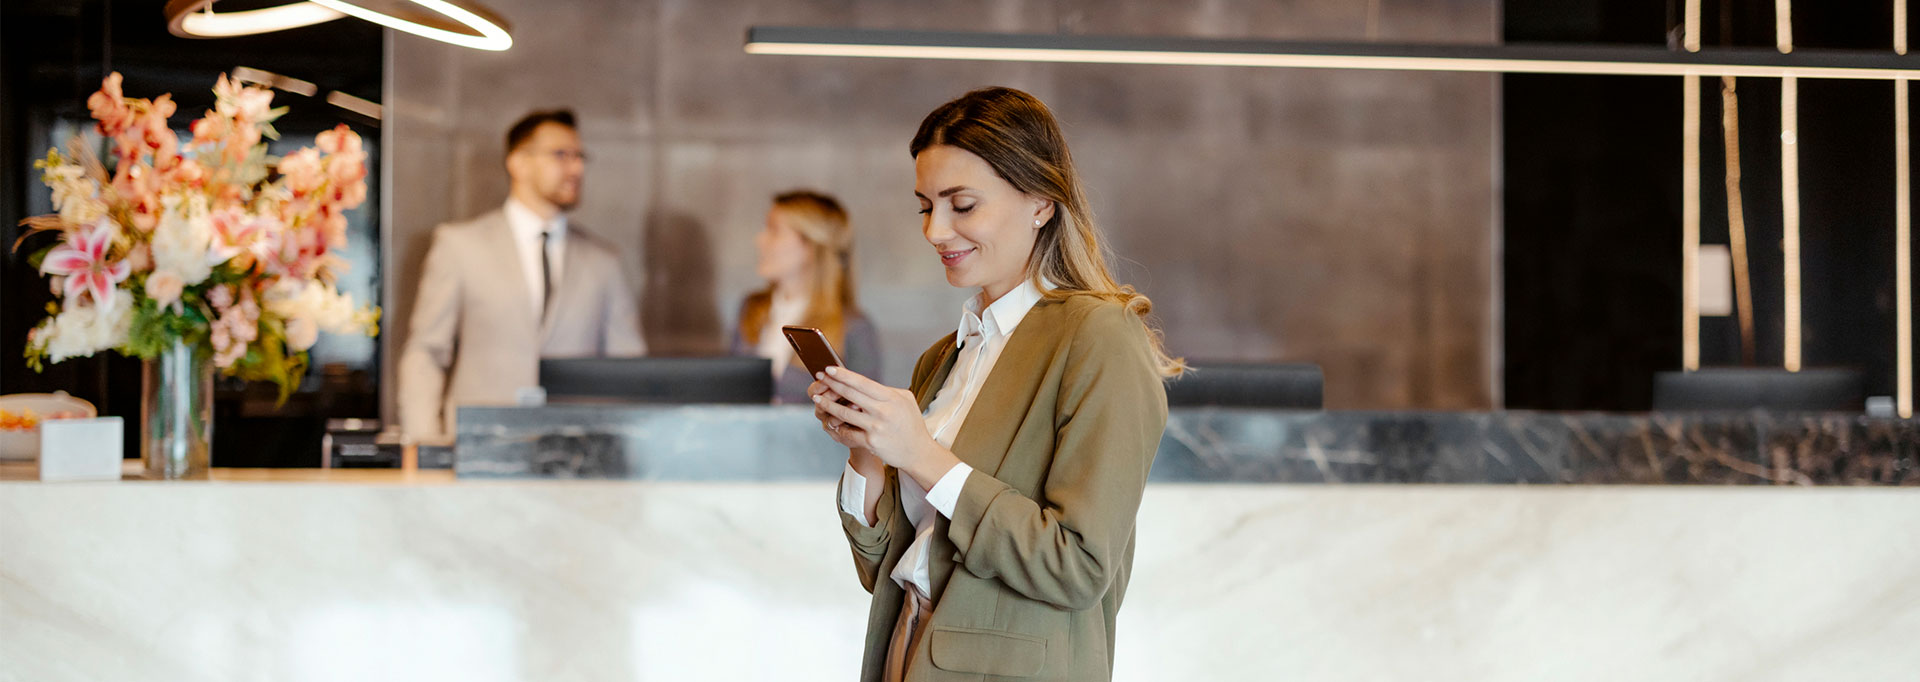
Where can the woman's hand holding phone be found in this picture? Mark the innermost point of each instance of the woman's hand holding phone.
(875, 421)
(882, 420)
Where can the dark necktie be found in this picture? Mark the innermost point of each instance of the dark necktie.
(546, 272)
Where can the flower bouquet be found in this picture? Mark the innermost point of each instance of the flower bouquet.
(198, 256)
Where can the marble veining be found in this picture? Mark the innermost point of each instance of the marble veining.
(556, 581)
(716, 442)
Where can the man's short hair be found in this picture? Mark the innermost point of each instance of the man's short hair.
(523, 129)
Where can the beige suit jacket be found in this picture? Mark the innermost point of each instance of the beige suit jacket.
(1029, 573)
(474, 339)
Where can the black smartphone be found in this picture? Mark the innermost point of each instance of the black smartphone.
(814, 350)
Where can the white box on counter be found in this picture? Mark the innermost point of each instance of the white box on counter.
(81, 449)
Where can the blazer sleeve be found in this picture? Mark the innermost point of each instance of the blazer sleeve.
(870, 543)
(621, 335)
(431, 341)
(1111, 413)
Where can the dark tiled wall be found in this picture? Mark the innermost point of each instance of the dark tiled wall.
(1344, 218)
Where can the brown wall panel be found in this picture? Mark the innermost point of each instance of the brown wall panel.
(1344, 218)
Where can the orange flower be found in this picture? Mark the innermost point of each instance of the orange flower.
(109, 107)
(303, 170)
(340, 140)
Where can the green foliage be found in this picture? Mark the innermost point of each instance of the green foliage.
(156, 327)
(40, 256)
(269, 360)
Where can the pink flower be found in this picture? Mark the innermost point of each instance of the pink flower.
(334, 232)
(293, 253)
(236, 232)
(241, 139)
(83, 261)
(349, 195)
(109, 106)
(139, 186)
(340, 140)
(160, 140)
(188, 173)
(303, 170)
(209, 129)
(146, 213)
(240, 102)
(140, 258)
(163, 108)
(164, 287)
(237, 325)
(221, 297)
(153, 134)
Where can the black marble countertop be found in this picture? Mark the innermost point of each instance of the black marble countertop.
(1215, 445)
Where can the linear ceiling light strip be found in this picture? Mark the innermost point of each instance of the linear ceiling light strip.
(1588, 60)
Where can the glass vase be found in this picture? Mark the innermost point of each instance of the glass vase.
(176, 412)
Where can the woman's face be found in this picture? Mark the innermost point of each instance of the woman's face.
(784, 255)
(982, 227)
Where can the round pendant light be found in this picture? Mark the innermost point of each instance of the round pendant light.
(456, 22)
(196, 19)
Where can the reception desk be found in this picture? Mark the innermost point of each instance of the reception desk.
(1216, 445)
(681, 574)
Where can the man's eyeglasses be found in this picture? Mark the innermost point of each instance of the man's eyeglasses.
(566, 155)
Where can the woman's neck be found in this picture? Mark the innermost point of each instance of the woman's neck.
(994, 292)
(789, 290)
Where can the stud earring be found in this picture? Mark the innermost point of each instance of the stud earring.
(1037, 223)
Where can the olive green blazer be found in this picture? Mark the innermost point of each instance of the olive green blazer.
(1030, 571)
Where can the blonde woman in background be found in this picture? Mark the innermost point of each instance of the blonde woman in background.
(806, 256)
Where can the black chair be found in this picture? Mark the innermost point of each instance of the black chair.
(1242, 384)
(1751, 388)
(658, 380)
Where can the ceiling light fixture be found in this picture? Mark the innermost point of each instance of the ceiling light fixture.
(457, 22)
(248, 74)
(196, 19)
(1560, 59)
(359, 105)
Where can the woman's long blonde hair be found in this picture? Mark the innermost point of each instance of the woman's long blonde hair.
(1016, 134)
(823, 225)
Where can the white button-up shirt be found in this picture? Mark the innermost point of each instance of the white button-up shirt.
(527, 227)
(982, 336)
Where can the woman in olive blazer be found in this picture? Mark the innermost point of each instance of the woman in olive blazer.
(1027, 562)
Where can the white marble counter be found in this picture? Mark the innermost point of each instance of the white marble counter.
(682, 581)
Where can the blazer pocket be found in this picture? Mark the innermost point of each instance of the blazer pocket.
(991, 652)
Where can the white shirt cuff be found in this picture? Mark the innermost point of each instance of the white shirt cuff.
(945, 495)
(853, 495)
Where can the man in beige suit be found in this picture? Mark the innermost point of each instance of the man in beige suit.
(501, 291)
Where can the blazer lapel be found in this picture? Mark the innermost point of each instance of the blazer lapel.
(1006, 396)
(506, 259)
(930, 384)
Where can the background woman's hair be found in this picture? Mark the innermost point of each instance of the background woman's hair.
(823, 225)
(1016, 134)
